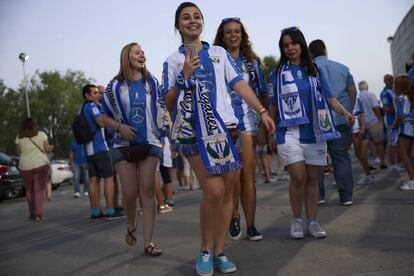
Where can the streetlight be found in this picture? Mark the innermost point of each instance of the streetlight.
(23, 57)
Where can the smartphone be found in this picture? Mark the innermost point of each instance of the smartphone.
(193, 50)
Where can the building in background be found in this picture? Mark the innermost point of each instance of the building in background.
(402, 43)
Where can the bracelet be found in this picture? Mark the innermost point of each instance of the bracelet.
(262, 110)
(119, 125)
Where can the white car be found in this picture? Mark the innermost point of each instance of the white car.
(61, 172)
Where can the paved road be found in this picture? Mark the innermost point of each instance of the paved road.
(375, 236)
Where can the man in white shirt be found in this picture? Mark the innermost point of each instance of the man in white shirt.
(373, 120)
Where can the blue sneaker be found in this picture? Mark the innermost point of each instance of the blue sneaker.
(169, 202)
(96, 214)
(234, 229)
(204, 264)
(222, 264)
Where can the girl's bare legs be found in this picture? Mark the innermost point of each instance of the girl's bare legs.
(248, 188)
(298, 178)
(148, 170)
(211, 203)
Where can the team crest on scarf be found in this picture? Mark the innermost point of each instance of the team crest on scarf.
(291, 109)
(218, 148)
(324, 121)
(291, 102)
(270, 90)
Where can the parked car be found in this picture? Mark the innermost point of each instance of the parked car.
(11, 183)
(61, 173)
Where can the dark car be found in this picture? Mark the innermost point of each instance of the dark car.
(11, 184)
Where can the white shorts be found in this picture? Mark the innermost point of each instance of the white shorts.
(293, 151)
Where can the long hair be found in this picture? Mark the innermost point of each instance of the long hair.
(246, 48)
(178, 13)
(297, 37)
(28, 128)
(125, 71)
(403, 85)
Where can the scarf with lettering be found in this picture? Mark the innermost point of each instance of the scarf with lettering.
(198, 128)
(160, 116)
(253, 76)
(291, 108)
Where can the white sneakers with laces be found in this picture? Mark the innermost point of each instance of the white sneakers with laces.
(296, 229)
(407, 186)
(366, 179)
(316, 230)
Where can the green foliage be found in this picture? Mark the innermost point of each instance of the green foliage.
(269, 63)
(54, 100)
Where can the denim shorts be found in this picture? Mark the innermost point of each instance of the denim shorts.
(117, 156)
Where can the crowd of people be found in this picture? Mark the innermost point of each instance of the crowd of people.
(210, 118)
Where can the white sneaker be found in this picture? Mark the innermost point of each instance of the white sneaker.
(296, 229)
(316, 230)
(366, 179)
(77, 195)
(165, 209)
(86, 194)
(395, 169)
(283, 177)
(408, 186)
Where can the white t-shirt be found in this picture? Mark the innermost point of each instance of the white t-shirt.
(30, 156)
(369, 101)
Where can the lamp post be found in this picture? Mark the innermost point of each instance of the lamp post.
(390, 40)
(23, 57)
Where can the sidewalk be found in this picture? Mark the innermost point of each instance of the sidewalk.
(375, 236)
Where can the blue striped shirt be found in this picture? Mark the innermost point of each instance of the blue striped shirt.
(305, 132)
(98, 144)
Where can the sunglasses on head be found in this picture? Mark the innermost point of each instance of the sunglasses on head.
(230, 19)
(290, 29)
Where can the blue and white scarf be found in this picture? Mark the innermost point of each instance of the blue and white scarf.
(292, 111)
(159, 112)
(253, 76)
(196, 120)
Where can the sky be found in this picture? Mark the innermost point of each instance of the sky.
(88, 35)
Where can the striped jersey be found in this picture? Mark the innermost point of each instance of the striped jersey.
(245, 114)
(388, 99)
(134, 101)
(98, 144)
(306, 133)
(218, 70)
(405, 110)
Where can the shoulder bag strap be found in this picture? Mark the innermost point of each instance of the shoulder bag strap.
(36, 145)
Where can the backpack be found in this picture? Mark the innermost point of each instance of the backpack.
(81, 131)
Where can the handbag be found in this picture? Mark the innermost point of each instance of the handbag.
(135, 153)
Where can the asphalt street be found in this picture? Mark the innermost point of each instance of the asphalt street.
(374, 236)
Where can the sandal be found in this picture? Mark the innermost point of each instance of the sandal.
(38, 217)
(153, 250)
(131, 236)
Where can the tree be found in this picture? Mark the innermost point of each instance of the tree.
(12, 111)
(64, 98)
(55, 99)
(269, 63)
